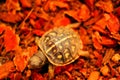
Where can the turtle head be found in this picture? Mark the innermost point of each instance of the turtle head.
(37, 60)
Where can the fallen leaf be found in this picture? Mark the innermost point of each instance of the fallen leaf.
(13, 5)
(11, 40)
(13, 18)
(21, 59)
(108, 55)
(52, 5)
(84, 13)
(112, 20)
(105, 5)
(94, 75)
(90, 3)
(6, 69)
(99, 58)
(107, 41)
(37, 76)
(38, 32)
(26, 3)
(96, 44)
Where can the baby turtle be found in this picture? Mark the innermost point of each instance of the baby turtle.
(60, 46)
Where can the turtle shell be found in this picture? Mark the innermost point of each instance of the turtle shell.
(61, 45)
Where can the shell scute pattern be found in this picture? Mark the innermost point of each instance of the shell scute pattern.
(61, 45)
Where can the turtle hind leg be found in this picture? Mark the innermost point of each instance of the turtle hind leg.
(51, 69)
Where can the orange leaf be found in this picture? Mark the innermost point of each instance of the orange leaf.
(102, 23)
(99, 28)
(6, 69)
(12, 5)
(96, 44)
(73, 14)
(13, 18)
(84, 13)
(2, 28)
(54, 4)
(25, 3)
(113, 23)
(60, 20)
(21, 59)
(11, 40)
(96, 37)
(105, 5)
(107, 41)
(65, 21)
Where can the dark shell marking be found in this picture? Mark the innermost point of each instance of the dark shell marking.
(61, 45)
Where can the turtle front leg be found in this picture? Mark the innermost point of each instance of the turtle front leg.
(51, 69)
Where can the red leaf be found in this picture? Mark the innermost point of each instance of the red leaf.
(117, 10)
(37, 76)
(58, 69)
(90, 3)
(11, 40)
(39, 24)
(99, 58)
(38, 32)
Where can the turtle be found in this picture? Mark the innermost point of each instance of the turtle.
(59, 46)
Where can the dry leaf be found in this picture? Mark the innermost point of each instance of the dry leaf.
(11, 40)
(94, 75)
(6, 69)
(105, 5)
(10, 17)
(108, 55)
(21, 59)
